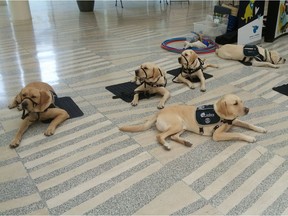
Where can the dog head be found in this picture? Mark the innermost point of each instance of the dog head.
(148, 72)
(188, 59)
(230, 106)
(275, 58)
(34, 100)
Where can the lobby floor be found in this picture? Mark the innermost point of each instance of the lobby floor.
(90, 167)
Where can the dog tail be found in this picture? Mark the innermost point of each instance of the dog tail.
(141, 127)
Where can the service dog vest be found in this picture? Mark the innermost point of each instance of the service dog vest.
(250, 52)
(206, 116)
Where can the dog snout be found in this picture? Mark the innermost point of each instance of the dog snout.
(246, 110)
(136, 72)
(179, 60)
(284, 60)
(24, 104)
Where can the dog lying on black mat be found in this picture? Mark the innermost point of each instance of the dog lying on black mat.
(36, 100)
(151, 79)
(251, 55)
(192, 66)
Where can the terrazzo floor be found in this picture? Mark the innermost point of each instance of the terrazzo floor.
(90, 167)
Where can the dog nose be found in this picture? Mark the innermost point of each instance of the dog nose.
(24, 104)
(246, 110)
(136, 72)
(284, 60)
(179, 60)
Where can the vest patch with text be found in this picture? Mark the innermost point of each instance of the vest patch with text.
(206, 115)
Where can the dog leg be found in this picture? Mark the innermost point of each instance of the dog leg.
(162, 136)
(264, 64)
(135, 100)
(23, 127)
(202, 82)
(164, 92)
(247, 125)
(209, 65)
(232, 136)
(180, 140)
(60, 117)
(182, 79)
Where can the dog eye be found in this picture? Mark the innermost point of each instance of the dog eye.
(186, 54)
(236, 103)
(33, 97)
(24, 95)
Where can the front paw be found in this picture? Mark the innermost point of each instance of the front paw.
(49, 132)
(191, 86)
(134, 103)
(15, 143)
(250, 139)
(203, 90)
(261, 130)
(160, 106)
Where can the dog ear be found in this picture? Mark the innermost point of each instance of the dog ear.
(193, 56)
(45, 101)
(222, 108)
(156, 72)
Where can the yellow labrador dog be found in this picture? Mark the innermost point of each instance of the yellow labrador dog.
(192, 66)
(37, 102)
(210, 120)
(151, 79)
(255, 55)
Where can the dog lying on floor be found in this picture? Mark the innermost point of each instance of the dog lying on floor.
(37, 102)
(151, 79)
(210, 120)
(192, 65)
(251, 54)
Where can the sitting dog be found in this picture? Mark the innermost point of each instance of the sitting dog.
(255, 55)
(151, 79)
(37, 102)
(210, 120)
(192, 65)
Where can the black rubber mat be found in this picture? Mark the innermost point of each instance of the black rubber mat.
(69, 105)
(195, 79)
(125, 91)
(283, 89)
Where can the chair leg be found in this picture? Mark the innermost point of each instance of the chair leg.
(120, 2)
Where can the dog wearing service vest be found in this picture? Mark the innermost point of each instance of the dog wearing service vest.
(212, 120)
(251, 54)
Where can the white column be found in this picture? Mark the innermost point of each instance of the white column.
(19, 10)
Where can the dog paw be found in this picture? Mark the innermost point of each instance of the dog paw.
(167, 147)
(134, 103)
(250, 139)
(261, 130)
(160, 106)
(49, 132)
(203, 90)
(191, 86)
(15, 143)
(188, 144)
